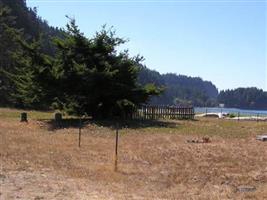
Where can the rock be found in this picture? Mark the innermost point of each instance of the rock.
(206, 139)
(262, 137)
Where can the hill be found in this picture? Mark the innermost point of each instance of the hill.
(32, 25)
(19, 21)
(180, 89)
(248, 98)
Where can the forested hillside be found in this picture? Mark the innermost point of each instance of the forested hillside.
(19, 22)
(249, 98)
(33, 27)
(180, 89)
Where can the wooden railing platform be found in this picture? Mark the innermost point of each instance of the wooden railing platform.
(163, 112)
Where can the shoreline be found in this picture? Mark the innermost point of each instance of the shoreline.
(226, 116)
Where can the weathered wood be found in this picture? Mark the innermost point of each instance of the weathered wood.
(163, 112)
(116, 147)
(80, 131)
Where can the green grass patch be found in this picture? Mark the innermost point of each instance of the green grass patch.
(6, 113)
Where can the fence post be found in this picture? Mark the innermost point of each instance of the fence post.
(58, 119)
(238, 116)
(23, 117)
(80, 130)
(116, 147)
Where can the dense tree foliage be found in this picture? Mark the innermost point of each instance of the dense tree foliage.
(33, 26)
(31, 77)
(180, 89)
(17, 24)
(250, 98)
(8, 45)
(93, 77)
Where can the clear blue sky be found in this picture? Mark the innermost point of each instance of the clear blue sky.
(221, 41)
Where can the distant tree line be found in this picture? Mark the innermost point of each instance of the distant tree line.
(249, 98)
(180, 89)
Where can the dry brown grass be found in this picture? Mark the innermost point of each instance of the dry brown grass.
(154, 162)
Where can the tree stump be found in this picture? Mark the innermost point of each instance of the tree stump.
(23, 117)
(58, 120)
(58, 117)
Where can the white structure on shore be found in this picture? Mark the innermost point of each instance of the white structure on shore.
(226, 116)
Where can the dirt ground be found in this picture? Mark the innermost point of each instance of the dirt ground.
(153, 163)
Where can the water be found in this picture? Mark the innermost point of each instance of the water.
(231, 111)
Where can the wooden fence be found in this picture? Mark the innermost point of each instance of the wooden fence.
(163, 112)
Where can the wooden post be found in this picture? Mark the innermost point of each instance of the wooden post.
(58, 119)
(58, 116)
(80, 130)
(23, 117)
(258, 117)
(116, 147)
(238, 116)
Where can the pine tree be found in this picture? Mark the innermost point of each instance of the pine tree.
(94, 78)
(31, 77)
(8, 37)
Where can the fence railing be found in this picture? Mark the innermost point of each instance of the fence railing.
(163, 112)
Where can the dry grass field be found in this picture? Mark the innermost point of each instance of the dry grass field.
(155, 160)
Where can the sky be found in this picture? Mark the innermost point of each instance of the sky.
(222, 41)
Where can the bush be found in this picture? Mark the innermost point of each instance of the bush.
(232, 115)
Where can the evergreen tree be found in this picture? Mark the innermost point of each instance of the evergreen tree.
(94, 78)
(249, 98)
(31, 77)
(9, 44)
